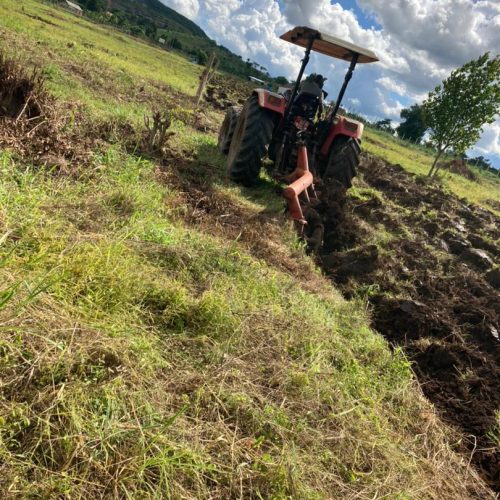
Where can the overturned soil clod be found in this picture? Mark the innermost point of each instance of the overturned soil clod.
(432, 282)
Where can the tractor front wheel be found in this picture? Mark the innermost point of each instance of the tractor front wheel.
(251, 137)
(343, 160)
(226, 131)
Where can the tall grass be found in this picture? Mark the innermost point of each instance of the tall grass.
(143, 358)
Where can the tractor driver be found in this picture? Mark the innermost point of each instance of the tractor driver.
(311, 95)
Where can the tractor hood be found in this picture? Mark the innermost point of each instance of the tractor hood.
(328, 45)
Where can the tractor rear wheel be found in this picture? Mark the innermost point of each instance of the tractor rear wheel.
(251, 137)
(227, 129)
(343, 160)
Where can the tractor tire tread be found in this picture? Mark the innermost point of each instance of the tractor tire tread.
(343, 161)
(244, 164)
(227, 129)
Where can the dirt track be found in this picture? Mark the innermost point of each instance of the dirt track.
(433, 288)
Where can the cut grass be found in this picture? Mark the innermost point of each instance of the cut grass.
(140, 357)
(485, 191)
(145, 357)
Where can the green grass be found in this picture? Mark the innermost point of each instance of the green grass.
(91, 63)
(418, 160)
(144, 355)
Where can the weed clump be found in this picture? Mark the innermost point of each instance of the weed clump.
(29, 124)
(458, 166)
(46, 132)
(21, 95)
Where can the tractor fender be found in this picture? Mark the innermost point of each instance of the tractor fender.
(271, 100)
(343, 126)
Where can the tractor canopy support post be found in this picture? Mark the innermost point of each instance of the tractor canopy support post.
(347, 78)
(305, 62)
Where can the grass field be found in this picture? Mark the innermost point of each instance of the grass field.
(485, 191)
(150, 349)
(92, 64)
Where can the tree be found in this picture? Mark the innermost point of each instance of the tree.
(95, 5)
(385, 125)
(202, 57)
(281, 80)
(175, 43)
(458, 108)
(414, 127)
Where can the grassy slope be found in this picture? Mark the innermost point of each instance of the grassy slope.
(418, 160)
(142, 357)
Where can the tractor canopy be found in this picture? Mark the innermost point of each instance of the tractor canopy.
(328, 45)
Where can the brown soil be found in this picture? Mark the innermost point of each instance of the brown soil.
(45, 132)
(458, 166)
(433, 287)
(225, 91)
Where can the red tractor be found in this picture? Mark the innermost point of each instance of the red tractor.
(305, 147)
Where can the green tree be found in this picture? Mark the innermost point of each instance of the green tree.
(414, 127)
(458, 108)
(95, 5)
(385, 125)
(175, 43)
(202, 57)
(281, 80)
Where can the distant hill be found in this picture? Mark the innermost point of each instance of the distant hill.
(159, 14)
(152, 20)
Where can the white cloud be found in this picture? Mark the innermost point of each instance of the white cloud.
(388, 108)
(490, 140)
(392, 85)
(354, 102)
(434, 36)
(188, 8)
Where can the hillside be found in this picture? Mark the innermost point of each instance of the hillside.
(158, 14)
(152, 21)
(163, 333)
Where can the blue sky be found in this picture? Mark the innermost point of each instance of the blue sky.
(418, 42)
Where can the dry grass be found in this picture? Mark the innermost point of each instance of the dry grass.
(151, 347)
(143, 359)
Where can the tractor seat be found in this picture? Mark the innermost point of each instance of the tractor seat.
(311, 89)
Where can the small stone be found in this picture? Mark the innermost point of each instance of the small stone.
(494, 333)
(442, 245)
(458, 226)
(411, 306)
